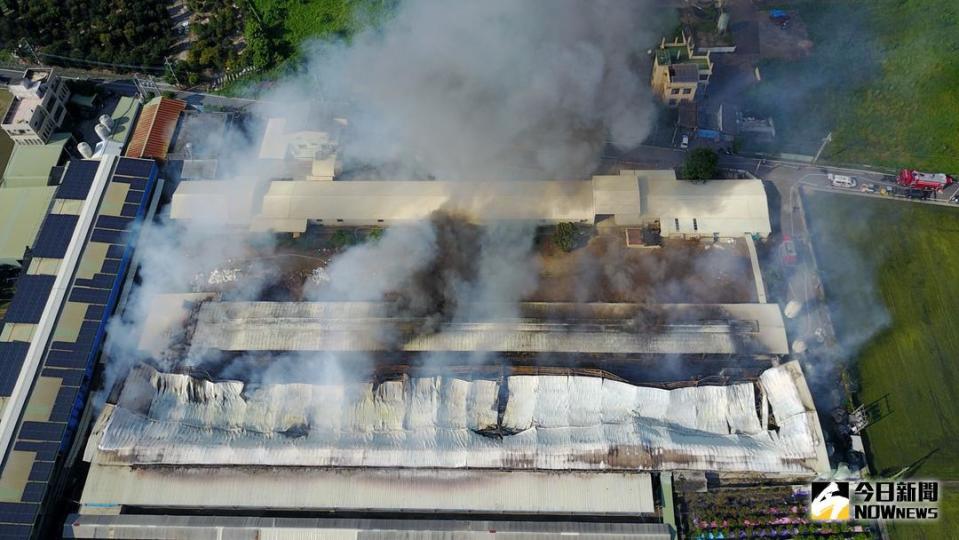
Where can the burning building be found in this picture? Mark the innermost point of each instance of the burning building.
(720, 209)
(533, 446)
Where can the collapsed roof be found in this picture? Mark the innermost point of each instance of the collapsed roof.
(529, 423)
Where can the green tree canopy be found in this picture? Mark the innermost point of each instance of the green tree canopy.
(564, 237)
(701, 164)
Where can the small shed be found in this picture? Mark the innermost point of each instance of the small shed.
(155, 128)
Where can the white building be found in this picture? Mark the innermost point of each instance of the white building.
(718, 208)
(37, 109)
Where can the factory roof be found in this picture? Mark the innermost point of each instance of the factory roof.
(59, 318)
(123, 116)
(155, 127)
(30, 165)
(560, 423)
(412, 200)
(215, 201)
(394, 489)
(539, 327)
(728, 208)
(725, 206)
(21, 212)
(214, 526)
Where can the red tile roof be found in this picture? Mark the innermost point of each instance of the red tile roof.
(154, 129)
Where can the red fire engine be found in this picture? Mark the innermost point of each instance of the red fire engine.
(924, 181)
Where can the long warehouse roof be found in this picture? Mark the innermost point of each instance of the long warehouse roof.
(541, 327)
(726, 207)
(365, 489)
(558, 423)
(150, 527)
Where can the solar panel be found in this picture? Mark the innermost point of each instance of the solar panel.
(107, 236)
(94, 313)
(69, 377)
(46, 451)
(54, 236)
(42, 431)
(89, 296)
(130, 210)
(99, 281)
(134, 167)
(16, 532)
(67, 359)
(110, 266)
(33, 492)
(139, 183)
(41, 471)
(18, 512)
(88, 331)
(12, 354)
(113, 222)
(134, 196)
(29, 299)
(77, 179)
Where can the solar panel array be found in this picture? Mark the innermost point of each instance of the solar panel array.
(29, 299)
(72, 361)
(54, 236)
(77, 179)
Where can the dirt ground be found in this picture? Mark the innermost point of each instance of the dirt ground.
(605, 270)
(790, 43)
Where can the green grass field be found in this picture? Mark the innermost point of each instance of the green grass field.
(305, 19)
(882, 76)
(910, 253)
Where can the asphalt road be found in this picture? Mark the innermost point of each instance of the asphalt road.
(782, 173)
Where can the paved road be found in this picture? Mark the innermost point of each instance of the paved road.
(782, 173)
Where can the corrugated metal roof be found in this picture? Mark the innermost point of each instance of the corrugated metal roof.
(30, 165)
(21, 212)
(558, 423)
(372, 489)
(154, 129)
(540, 327)
(213, 527)
(727, 207)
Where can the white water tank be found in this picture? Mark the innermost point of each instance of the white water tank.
(106, 121)
(723, 23)
(102, 131)
(792, 309)
(85, 150)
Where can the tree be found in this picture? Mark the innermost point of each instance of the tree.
(701, 164)
(564, 237)
(374, 234)
(341, 239)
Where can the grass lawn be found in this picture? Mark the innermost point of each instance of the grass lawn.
(305, 19)
(910, 252)
(882, 76)
(6, 145)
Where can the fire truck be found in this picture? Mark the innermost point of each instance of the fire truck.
(924, 181)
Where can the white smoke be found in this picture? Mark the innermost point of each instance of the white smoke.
(459, 90)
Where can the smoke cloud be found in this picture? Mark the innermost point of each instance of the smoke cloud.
(458, 90)
(492, 89)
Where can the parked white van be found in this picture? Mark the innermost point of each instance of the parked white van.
(839, 180)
